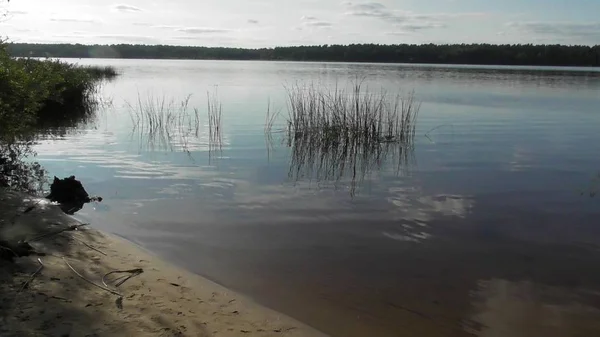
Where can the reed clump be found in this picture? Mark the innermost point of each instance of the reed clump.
(163, 123)
(324, 117)
(336, 133)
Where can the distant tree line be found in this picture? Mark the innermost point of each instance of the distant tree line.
(485, 54)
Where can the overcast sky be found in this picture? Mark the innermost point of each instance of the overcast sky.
(267, 23)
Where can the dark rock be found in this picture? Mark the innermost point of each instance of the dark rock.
(70, 194)
(67, 190)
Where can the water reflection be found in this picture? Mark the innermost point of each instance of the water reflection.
(346, 161)
(524, 309)
(494, 197)
(416, 211)
(163, 124)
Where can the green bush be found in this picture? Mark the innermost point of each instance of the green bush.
(37, 93)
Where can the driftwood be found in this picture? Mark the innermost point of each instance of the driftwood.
(51, 234)
(91, 282)
(90, 247)
(131, 272)
(32, 276)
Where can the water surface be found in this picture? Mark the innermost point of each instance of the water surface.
(486, 227)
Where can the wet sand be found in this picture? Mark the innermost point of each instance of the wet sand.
(161, 301)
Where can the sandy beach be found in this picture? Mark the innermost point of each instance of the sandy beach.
(162, 300)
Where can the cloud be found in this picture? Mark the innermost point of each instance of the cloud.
(86, 37)
(320, 24)
(397, 33)
(447, 16)
(203, 30)
(25, 30)
(72, 20)
(129, 38)
(166, 27)
(252, 21)
(403, 19)
(313, 21)
(19, 29)
(126, 8)
(413, 27)
(581, 30)
(369, 9)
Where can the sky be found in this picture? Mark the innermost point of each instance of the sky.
(269, 23)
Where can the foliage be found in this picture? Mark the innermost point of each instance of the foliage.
(18, 173)
(518, 54)
(34, 95)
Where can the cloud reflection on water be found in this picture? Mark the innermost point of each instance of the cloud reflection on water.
(525, 309)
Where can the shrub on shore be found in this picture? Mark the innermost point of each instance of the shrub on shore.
(38, 93)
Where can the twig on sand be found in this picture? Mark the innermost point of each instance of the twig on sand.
(90, 282)
(32, 276)
(132, 272)
(70, 228)
(90, 247)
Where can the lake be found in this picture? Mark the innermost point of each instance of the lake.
(487, 226)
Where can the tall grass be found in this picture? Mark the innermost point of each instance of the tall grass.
(103, 72)
(165, 124)
(338, 133)
(323, 116)
(159, 122)
(215, 126)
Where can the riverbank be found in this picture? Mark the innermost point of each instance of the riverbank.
(161, 301)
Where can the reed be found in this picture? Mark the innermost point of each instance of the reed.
(336, 133)
(324, 116)
(162, 123)
(215, 125)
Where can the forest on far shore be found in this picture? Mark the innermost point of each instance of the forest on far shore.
(483, 54)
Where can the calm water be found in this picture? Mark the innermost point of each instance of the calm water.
(482, 229)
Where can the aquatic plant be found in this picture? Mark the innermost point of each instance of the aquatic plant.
(162, 123)
(157, 120)
(347, 162)
(215, 125)
(324, 116)
(336, 133)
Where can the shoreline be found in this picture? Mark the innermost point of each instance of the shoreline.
(164, 300)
